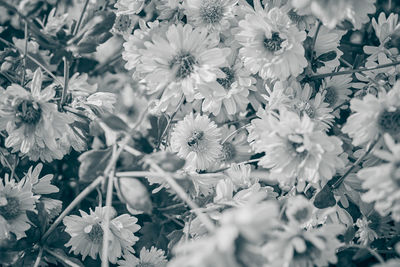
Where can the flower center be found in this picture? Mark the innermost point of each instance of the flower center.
(229, 78)
(122, 23)
(302, 214)
(228, 151)
(296, 147)
(273, 44)
(194, 140)
(183, 64)
(331, 96)
(29, 112)
(11, 210)
(389, 121)
(211, 11)
(96, 234)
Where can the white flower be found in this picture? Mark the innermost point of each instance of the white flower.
(152, 257)
(128, 7)
(382, 182)
(210, 14)
(197, 140)
(272, 45)
(294, 147)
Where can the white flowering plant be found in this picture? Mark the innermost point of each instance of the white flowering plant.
(199, 133)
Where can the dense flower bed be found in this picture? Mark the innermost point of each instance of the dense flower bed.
(200, 133)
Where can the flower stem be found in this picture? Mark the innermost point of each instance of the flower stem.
(65, 87)
(321, 76)
(61, 258)
(38, 258)
(370, 250)
(25, 52)
(80, 18)
(183, 195)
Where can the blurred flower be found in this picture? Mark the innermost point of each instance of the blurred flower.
(295, 246)
(87, 232)
(152, 257)
(235, 147)
(127, 7)
(197, 140)
(15, 200)
(272, 45)
(382, 182)
(332, 12)
(132, 192)
(210, 14)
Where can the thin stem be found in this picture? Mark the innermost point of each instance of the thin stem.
(25, 52)
(72, 205)
(9, 166)
(183, 195)
(321, 76)
(170, 119)
(65, 87)
(363, 74)
(370, 250)
(315, 38)
(61, 258)
(355, 164)
(138, 174)
(38, 258)
(235, 132)
(106, 237)
(80, 18)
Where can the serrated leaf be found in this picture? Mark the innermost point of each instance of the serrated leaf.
(324, 198)
(331, 55)
(93, 164)
(114, 122)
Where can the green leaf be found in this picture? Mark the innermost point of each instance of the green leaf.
(114, 122)
(331, 55)
(93, 164)
(325, 198)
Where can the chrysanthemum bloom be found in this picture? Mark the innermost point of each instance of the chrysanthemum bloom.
(152, 257)
(295, 247)
(87, 232)
(129, 7)
(384, 29)
(294, 147)
(235, 147)
(210, 14)
(364, 233)
(335, 91)
(15, 200)
(181, 59)
(228, 94)
(332, 12)
(374, 115)
(315, 108)
(33, 123)
(197, 140)
(382, 182)
(272, 44)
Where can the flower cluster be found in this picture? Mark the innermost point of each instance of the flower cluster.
(199, 133)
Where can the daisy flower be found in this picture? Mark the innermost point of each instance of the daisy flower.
(181, 59)
(87, 232)
(315, 108)
(210, 14)
(235, 147)
(168, 9)
(332, 12)
(382, 182)
(335, 91)
(33, 124)
(364, 233)
(152, 257)
(295, 246)
(129, 7)
(272, 44)
(374, 115)
(197, 140)
(15, 200)
(229, 93)
(294, 147)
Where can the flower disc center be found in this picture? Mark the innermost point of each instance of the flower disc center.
(29, 112)
(273, 44)
(11, 210)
